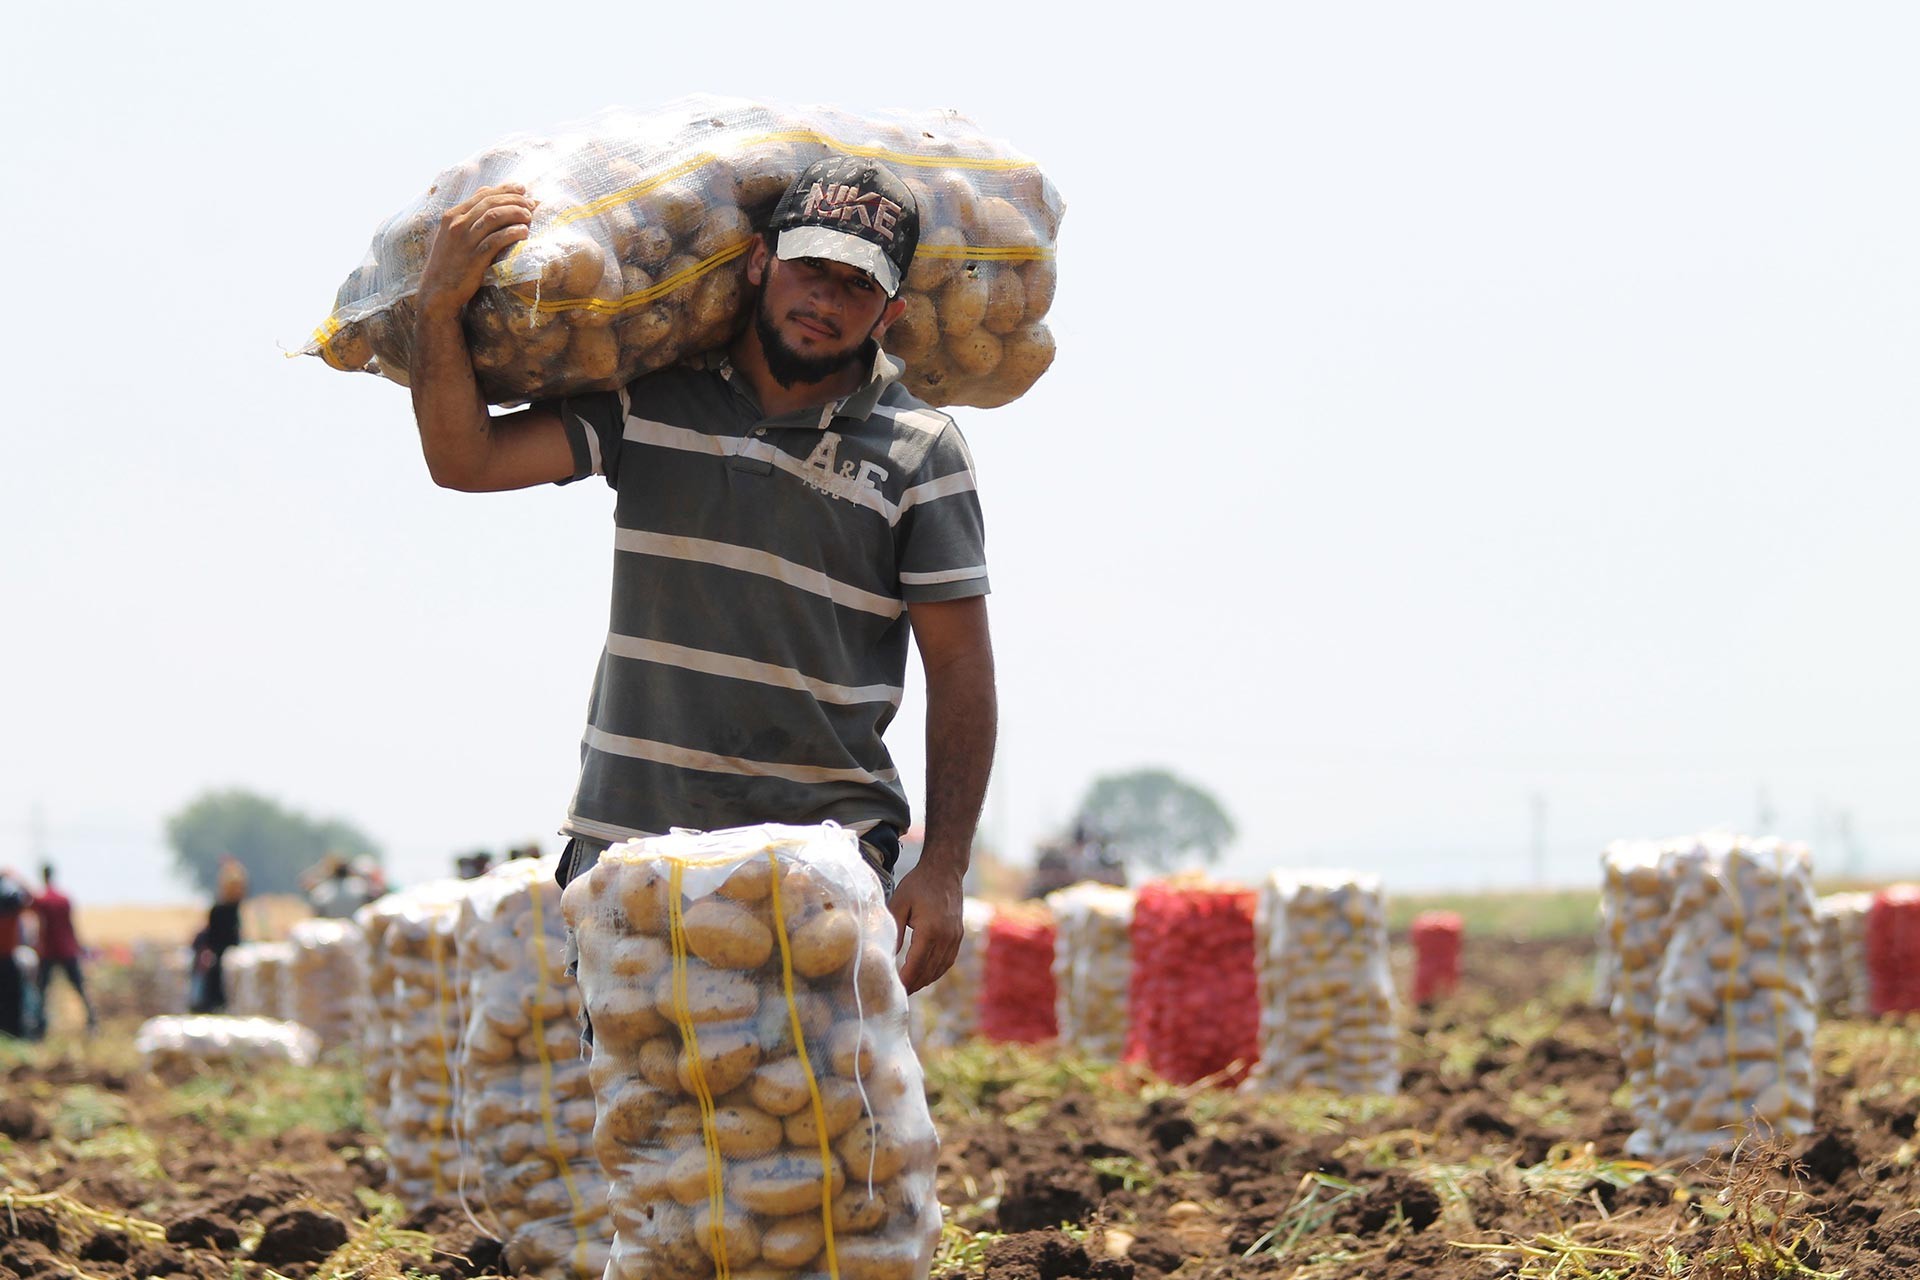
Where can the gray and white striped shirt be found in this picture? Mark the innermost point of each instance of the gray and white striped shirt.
(763, 571)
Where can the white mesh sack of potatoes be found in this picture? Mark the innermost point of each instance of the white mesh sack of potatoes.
(158, 978)
(181, 1044)
(760, 1107)
(637, 254)
(1735, 1017)
(324, 987)
(1327, 1007)
(254, 986)
(947, 1011)
(1636, 893)
(423, 1153)
(376, 1031)
(1092, 967)
(525, 1110)
(1840, 966)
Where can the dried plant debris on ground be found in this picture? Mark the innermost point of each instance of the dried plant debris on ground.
(1501, 1157)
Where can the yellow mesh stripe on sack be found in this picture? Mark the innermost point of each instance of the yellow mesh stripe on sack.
(683, 1013)
(561, 1161)
(1727, 1010)
(640, 297)
(806, 1066)
(437, 1125)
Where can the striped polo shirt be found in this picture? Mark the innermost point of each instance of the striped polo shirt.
(762, 574)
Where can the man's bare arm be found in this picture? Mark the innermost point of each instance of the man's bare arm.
(956, 650)
(465, 447)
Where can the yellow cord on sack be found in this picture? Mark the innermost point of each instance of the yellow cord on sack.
(683, 1013)
(1728, 1011)
(639, 297)
(561, 1160)
(806, 1066)
(440, 1039)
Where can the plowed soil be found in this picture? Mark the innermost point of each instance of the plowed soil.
(1501, 1157)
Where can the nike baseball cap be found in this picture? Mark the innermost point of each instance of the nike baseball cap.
(849, 210)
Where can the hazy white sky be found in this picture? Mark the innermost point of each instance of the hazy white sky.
(1454, 403)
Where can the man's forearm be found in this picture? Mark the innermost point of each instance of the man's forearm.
(962, 720)
(447, 405)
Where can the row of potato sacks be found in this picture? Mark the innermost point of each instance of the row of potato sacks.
(637, 257)
(760, 1105)
(1714, 999)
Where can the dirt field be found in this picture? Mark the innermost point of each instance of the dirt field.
(1501, 1158)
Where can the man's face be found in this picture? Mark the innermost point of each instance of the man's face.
(814, 315)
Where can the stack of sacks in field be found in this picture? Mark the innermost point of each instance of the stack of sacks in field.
(1735, 1015)
(1193, 1005)
(1635, 894)
(1092, 967)
(1016, 990)
(325, 984)
(376, 1032)
(181, 1044)
(637, 254)
(252, 979)
(1893, 949)
(424, 1026)
(525, 1103)
(760, 1108)
(947, 1013)
(1436, 954)
(1840, 966)
(1326, 989)
(157, 978)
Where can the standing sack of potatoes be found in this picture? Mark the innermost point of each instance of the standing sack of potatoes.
(760, 1109)
(946, 1012)
(637, 257)
(325, 984)
(1092, 967)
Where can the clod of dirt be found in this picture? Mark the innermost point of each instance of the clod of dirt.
(1155, 1255)
(1167, 1124)
(1409, 1199)
(299, 1236)
(106, 1246)
(28, 1223)
(1042, 1198)
(1477, 1119)
(204, 1231)
(462, 1250)
(30, 1260)
(20, 1122)
(1829, 1156)
(1050, 1255)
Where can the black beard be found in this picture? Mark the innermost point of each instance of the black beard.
(789, 367)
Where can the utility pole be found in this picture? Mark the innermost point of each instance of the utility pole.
(1537, 806)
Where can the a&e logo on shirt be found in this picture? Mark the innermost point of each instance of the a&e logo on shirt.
(825, 472)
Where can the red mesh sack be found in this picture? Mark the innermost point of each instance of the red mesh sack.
(1016, 991)
(1893, 949)
(1436, 954)
(1194, 1003)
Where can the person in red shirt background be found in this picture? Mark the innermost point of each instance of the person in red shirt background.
(14, 897)
(57, 945)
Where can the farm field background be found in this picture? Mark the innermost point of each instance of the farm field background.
(1501, 1156)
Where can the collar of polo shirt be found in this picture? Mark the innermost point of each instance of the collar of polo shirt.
(885, 369)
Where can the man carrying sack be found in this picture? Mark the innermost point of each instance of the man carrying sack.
(784, 516)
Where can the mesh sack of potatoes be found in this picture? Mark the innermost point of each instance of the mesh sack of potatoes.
(1193, 1005)
(760, 1107)
(324, 986)
(254, 977)
(181, 1044)
(1893, 949)
(1735, 1016)
(1840, 965)
(947, 1012)
(1016, 988)
(1636, 892)
(525, 1111)
(637, 252)
(422, 950)
(157, 978)
(1092, 967)
(376, 1031)
(1327, 1011)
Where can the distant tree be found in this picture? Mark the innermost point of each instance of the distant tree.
(1155, 819)
(274, 844)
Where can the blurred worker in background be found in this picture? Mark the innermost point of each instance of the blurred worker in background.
(211, 944)
(57, 945)
(335, 890)
(14, 899)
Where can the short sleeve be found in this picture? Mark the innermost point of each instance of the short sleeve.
(595, 424)
(940, 542)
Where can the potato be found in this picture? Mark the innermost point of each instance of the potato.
(750, 882)
(841, 1105)
(680, 207)
(824, 944)
(876, 981)
(572, 266)
(860, 1208)
(688, 1179)
(763, 175)
(727, 935)
(865, 1258)
(739, 1235)
(592, 357)
(645, 245)
(917, 330)
(632, 1114)
(1006, 301)
(853, 1047)
(1003, 226)
(669, 1245)
(962, 302)
(876, 1150)
(658, 1060)
(624, 1016)
(974, 353)
(681, 1126)
(641, 1178)
(780, 1087)
(722, 229)
(726, 1060)
(785, 1184)
(773, 1024)
(930, 270)
(643, 331)
(803, 892)
(742, 1132)
(719, 305)
(634, 958)
(643, 889)
(792, 1242)
(709, 995)
(348, 349)
(1025, 354)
